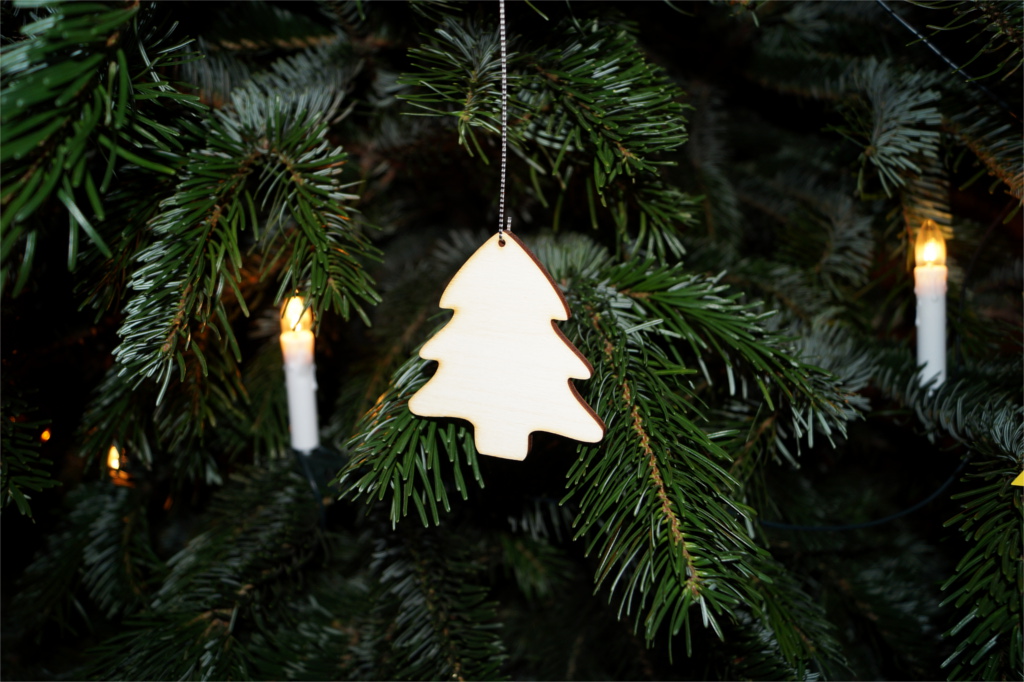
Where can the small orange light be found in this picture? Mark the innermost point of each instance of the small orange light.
(168, 502)
(45, 435)
(113, 458)
(119, 477)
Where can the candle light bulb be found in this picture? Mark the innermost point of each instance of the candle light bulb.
(296, 316)
(117, 475)
(930, 246)
(113, 458)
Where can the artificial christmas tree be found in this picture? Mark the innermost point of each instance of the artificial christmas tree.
(727, 197)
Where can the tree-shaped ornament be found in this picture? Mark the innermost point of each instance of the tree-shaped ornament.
(503, 364)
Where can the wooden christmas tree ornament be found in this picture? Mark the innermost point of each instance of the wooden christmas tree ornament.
(503, 364)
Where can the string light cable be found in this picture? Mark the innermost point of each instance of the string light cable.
(953, 65)
(876, 522)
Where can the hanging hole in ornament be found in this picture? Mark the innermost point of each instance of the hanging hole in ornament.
(503, 230)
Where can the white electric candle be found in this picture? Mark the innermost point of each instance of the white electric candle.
(300, 375)
(930, 287)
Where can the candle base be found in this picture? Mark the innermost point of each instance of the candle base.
(300, 382)
(320, 467)
(930, 288)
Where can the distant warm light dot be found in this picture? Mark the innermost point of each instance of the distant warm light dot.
(113, 458)
(117, 474)
(45, 435)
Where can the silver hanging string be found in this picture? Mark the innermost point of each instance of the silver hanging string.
(504, 118)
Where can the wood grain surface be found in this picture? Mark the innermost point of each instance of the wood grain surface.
(503, 365)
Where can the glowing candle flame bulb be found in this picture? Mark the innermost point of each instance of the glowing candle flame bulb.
(930, 287)
(300, 374)
(930, 247)
(296, 316)
(117, 475)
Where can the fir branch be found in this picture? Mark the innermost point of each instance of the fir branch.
(266, 420)
(197, 646)
(752, 653)
(264, 26)
(270, 517)
(976, 406)
(898, 121)
(762, 434)
(692, 555)
(889, 112)
(176, 432)
(1001, 23)
(787, 288)
(694, 310)
(630, 433)
(200, 424)
(21, 469)
(443, 628)
(461, 70)
(114, 417)
(597, 78)
(572, 636)
(262, 531)
(757, 648)
(988, 579)
(315, 634)
(47, 588)
(994, 143)
(198, 254)
(82, 79)
(119, 564)
(708, 154)
(651, 442)
(816, 29)
(539, 568)
(129, 208)
(824, 232)
(104, 545)
(573, 102)
(663, 212)
(847, 256)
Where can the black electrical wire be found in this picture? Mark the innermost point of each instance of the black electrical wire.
(303, 459)
(991, 95)
(876, 522)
